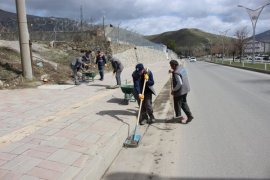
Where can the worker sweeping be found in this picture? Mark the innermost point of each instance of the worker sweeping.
(77, 65)
(180, 89)
(140, 75)
(117, 68)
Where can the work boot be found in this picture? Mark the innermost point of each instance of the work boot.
(152, 119)
(143, 119)
(77, 82)
(189, 119)
(180, 119)
(142, 122)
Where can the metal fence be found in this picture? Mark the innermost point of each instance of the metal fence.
(123, 36)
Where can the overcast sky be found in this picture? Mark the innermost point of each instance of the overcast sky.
(155, 16)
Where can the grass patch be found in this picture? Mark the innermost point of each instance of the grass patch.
(7, 53)
(259, 66)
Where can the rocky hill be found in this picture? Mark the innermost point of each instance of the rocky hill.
(8, 23)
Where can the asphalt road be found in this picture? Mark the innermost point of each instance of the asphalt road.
(228, 139)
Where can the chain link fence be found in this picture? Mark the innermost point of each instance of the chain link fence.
(123, 36)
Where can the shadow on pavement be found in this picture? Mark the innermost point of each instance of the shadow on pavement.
(99, 85)
(116, 113)
(172, 121)
(117, 101)
(141, 176)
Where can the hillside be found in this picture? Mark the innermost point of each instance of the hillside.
(8, 22)
(186, 38)
(264, 37)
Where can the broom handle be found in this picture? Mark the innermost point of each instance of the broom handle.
(144, 83)
(139, 114)
(171, 96)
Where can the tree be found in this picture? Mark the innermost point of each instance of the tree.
(241, 39)
(171, 44)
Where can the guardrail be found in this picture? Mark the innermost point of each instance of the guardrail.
(245, 64)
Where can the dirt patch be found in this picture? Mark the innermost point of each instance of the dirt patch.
(11, 71)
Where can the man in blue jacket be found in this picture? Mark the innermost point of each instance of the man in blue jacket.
(101, 62)
(140, 75)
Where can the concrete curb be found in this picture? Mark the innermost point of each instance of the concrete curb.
(98, 165)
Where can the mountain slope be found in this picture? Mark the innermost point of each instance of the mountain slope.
(186, 37)
(264, 37)
(195, 38)
(8, 22)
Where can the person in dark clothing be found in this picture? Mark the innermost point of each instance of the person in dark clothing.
(180, 90)
(101, 62)
(117, 68)
(77, 65)
(86, 57)
(140, 75)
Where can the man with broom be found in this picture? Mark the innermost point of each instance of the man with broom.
(140, 75)
(180, 89)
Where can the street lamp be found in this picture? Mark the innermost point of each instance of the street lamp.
(210, 46)
(254, 15)
(223, 34)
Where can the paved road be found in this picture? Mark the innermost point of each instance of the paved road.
(228, 139)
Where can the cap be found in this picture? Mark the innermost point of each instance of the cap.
(139, 67)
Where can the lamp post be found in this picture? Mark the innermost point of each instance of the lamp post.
(210, 45)
(254, 15)
(223, 34)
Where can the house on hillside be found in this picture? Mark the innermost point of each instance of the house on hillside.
(260, 47)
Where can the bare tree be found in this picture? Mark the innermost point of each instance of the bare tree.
(241, 39)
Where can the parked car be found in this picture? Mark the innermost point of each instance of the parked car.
(258, 58)
(266, 58)
(192, 59)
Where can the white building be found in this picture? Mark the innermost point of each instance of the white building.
(260, 47)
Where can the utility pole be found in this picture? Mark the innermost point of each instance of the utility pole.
(24, 40)
(103, 19)
(81, 9)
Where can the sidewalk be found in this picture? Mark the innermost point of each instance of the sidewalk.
(72, 132)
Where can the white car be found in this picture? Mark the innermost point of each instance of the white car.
(192, 59)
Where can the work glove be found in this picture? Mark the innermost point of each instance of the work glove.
(146, 77)
(141, 97)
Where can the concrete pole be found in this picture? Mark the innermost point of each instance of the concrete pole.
(24, 39)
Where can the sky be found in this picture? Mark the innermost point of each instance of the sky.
(149, 17)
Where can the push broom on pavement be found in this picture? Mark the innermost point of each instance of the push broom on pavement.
(133, 140)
